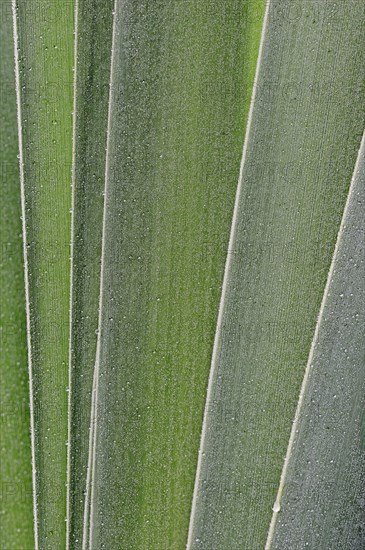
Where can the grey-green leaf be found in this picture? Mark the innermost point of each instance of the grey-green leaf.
(322, 502)
(307, 123)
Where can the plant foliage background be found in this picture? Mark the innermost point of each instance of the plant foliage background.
(182, 274)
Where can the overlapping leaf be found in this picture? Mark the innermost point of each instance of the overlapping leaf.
(182, 76)
(321, 494)
(44, 46)
(307, 122)
(93, 61)
(16, 526)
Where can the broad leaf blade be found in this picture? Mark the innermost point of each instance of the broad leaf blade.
(93, 60)
(181, 83)
(44, 43)
(322, 504)
(16, 529)
(307, 121)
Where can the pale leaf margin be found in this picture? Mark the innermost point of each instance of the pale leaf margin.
(277, 504)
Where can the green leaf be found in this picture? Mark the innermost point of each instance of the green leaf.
(152, 310)
(307, 121)
(182, 75)
(44, 42)
(16, 529)
(325, 463)
(93, 60)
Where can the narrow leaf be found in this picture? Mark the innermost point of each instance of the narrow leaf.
(16, 525)
(307, 121)
(322, 490)
(93, 59)
(44, 62)
(182, 76)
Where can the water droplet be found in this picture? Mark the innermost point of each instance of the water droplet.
(276, 507)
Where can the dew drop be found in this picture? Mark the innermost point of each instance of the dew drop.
(276, 507)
